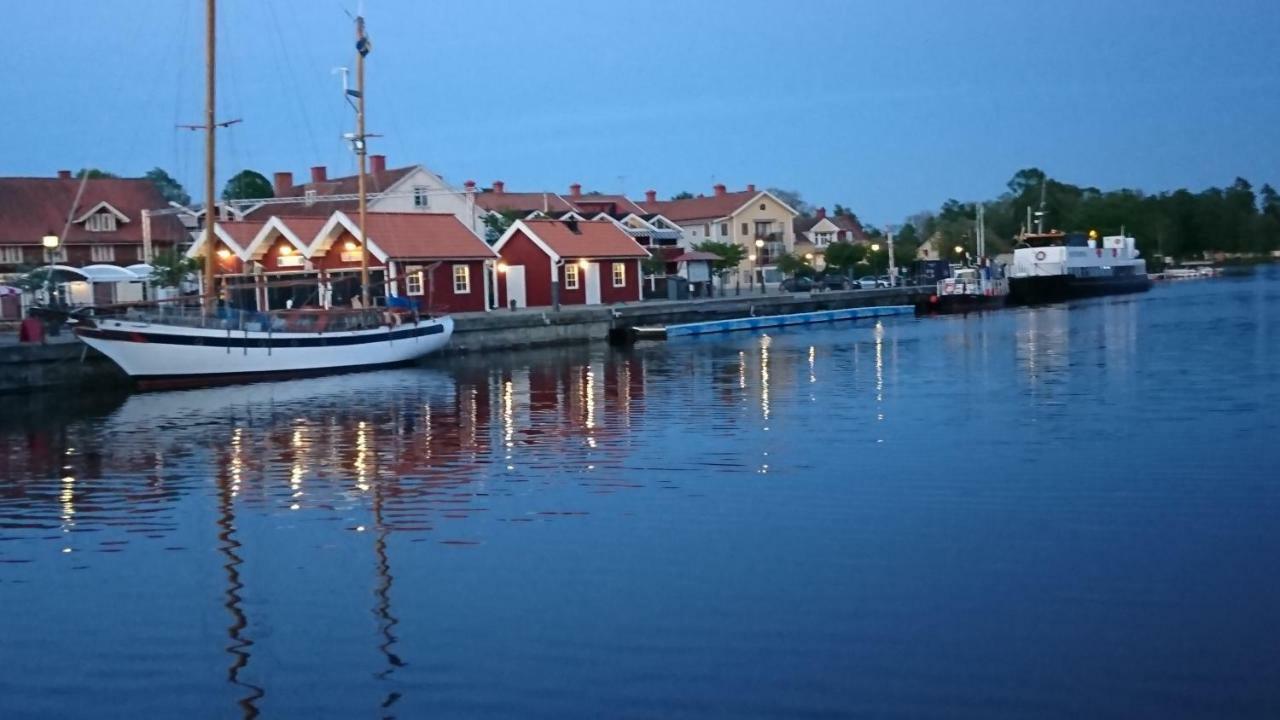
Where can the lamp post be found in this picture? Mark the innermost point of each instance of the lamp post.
(752, 286)
(759, 258)
(893, 268)
(875, 248)
(50, 243)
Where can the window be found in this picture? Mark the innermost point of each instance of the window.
(141, 253)
(822, 238)
(102, 253)
(745, 231)
(421, 199)
(11, 255)
(764, 228)
(413, 281)
(619, 274)
(101, 222)
(724, 229)
(310, 197)
(461, 279)
(571, 276)
(53, 256)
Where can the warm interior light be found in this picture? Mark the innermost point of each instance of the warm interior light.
(224, 253)
(350, 245)
(49, 241)
(502, 267)
(583, 264)
(286, 250)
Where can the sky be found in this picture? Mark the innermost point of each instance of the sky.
(889, 108)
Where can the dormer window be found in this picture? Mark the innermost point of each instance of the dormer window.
(101, 222)
(310, 197)
(421, 197)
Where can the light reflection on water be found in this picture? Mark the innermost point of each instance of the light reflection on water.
(1025, 513)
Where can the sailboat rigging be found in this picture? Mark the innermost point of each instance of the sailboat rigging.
(171, 347)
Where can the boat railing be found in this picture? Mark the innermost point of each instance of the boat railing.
(973, 286)
(305, 320)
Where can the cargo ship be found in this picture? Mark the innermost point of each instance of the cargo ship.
(1056, 266)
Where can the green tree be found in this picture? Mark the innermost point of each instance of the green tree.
(170, 188)
(169, 268)
(95, 173)
(653, 265)
(497, 223)
(794, 265)
(793, 199)
(842, 256)
(731, 254)
(683, 195)
(247, 185)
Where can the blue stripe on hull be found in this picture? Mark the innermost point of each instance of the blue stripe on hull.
(809, 318)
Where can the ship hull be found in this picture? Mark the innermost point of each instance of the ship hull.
(1059, 288)
(960, 304)
(157, 355)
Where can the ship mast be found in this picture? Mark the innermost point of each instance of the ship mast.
(362, 49)
(210, 216)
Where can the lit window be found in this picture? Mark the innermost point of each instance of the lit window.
(461, 279)
(102, 253)
(421, 199)
(11, 255)
(101, 222)
(619, 274)
(413, 281)
(571, 276)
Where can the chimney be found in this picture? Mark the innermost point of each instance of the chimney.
(651, 196)
(719, 188)
(499, 187)
(822, 213)
(283, 182)
(377, 164)
(751, 187)
(64, 174)
(575, 190)
(319, 174)
(470, 186)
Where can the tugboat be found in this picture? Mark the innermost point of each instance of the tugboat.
(968, 290)
(1056, 266)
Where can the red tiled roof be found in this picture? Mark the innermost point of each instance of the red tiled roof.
(348, 185)
(710, 207)
(612, 204)
(592, 239)
(522, 202)
(424, 236)
(32, 207)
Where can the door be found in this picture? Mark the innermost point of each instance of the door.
(515, 286)
(593, 283)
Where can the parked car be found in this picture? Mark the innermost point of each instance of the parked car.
(797, 284)
(835, 281)
(870, 281)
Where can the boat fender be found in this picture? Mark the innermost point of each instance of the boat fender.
(1040, 255)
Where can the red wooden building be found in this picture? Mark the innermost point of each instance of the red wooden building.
(593, 262)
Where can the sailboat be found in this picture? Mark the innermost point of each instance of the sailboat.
(171, 347)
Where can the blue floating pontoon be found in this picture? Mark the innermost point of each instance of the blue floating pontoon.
(768, 321)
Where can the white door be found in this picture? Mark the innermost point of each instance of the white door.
(515, 286)
(593, 283)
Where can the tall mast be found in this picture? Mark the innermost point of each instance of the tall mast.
(362, 49)
(210, 125)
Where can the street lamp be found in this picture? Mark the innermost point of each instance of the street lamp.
(752, 286)
(50, 243)
(759, 257)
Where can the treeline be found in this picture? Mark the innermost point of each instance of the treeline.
(1180, 223)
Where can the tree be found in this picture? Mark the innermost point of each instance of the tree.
(95, 173)
(683, 195)
(497, 223)
(842, 256)
(731, 254)
(794, 265)
(907, 235)
(170, 267)
(792, 198)
(653, 265)
(170, 188)
(247, 185)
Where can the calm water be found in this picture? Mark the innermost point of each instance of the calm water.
(1038, 513)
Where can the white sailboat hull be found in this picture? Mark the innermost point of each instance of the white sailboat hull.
(158, 354)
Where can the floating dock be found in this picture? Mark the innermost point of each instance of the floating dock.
(768, 321)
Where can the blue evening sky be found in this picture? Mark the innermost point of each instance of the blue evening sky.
(889, 107)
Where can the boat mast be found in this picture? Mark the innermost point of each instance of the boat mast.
(362, 49)
(210, 78)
